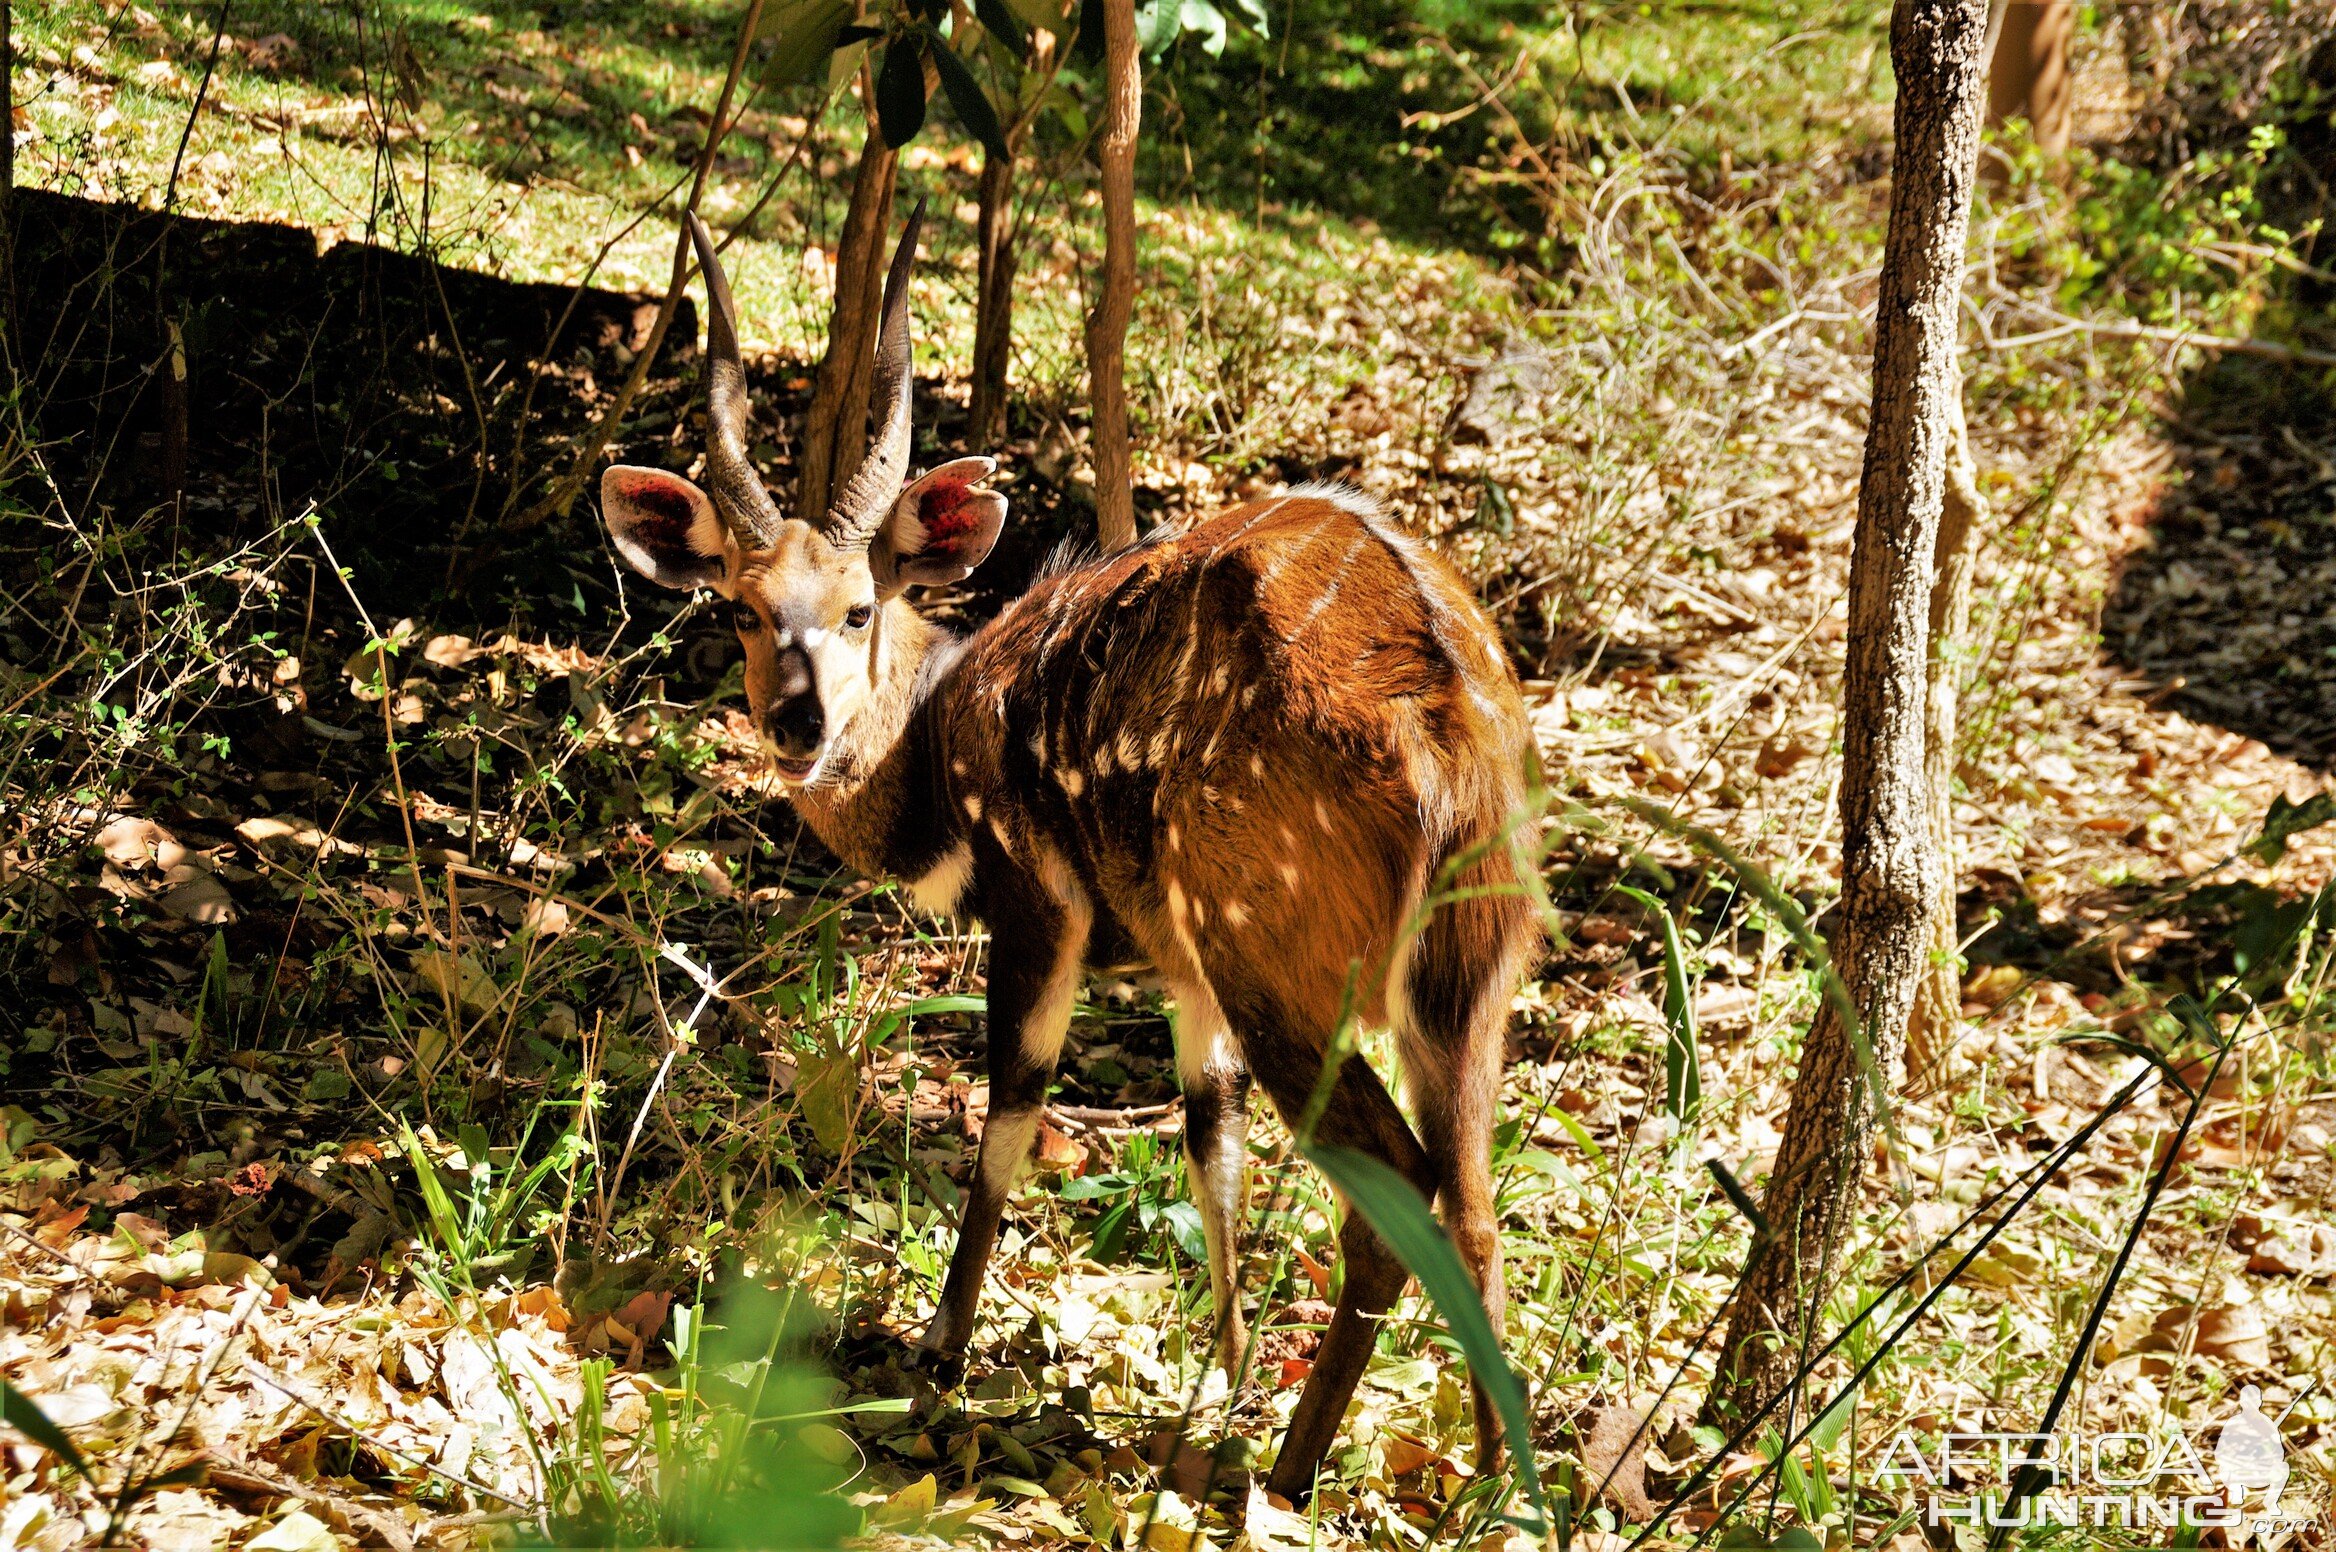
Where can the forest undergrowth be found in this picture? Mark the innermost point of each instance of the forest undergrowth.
(448, 1102)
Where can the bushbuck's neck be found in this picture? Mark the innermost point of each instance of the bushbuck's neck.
(872, 805)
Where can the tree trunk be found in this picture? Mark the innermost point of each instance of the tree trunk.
(2028, 77)
(7, 162)
(1889, 866)
(1938, 1002)
(993, 318)
(1123, 101)
(835, 430)
(7, 105)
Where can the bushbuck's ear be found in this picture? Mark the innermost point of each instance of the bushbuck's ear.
(941, 527)
(664, 526)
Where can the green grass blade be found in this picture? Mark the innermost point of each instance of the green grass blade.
(24, 1415)
(1682, 1068)
(1787, 911)
(1392, 1206)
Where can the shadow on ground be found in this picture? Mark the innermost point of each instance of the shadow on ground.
(2229, 600)
(419, 408)
(411, 404)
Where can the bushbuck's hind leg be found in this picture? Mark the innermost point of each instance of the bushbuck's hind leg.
(1037, 937)
(1216, 1157)
(1361, 1115)
(1452, 1017)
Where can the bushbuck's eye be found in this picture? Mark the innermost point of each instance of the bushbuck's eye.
(858, 616)
(743, 619)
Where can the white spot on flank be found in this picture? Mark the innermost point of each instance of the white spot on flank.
(1158, 754)
(973, 805)
(1200, 914)
(1322, 816)
(1257, 765)
(1176, 903)
(1236, 914)
(957, 766)
(1102, 762)
(1329, 593)
(1131, 750)
(1219, 680)
(1073, 780)
(1248, 696)
(936, 890)
(1290, 875)
(1289, 841)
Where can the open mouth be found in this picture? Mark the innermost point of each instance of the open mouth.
(796, 771)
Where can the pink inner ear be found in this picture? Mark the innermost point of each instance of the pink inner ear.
(948, 514)
(659, 510)
(661, 501)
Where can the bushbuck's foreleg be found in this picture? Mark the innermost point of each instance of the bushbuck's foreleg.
(1452, 1019)
(1361, 1115)
(1036, 939)
(1216, 1158)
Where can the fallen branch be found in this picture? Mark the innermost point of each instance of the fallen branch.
(247, 1476)
(2063, 325)
(289, 1393)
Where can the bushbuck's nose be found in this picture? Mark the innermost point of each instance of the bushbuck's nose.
(795, 721)
(795, 725)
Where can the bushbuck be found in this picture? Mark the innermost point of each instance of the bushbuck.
(1250, 749)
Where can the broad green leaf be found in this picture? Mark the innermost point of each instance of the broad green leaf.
(21, 1413)
(844, 64)
(827, 1082)
(1158, 22)
(966, 98)
(804, 37)
(1049, 14)
(1001, 23)
(1183, 1220)
(2290, 819)
(1086, 1188)
(900, 90)
(1111, 1232)
(1829, 1429)
(1394, 1207)
(1208, 22)
(1068, 110)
